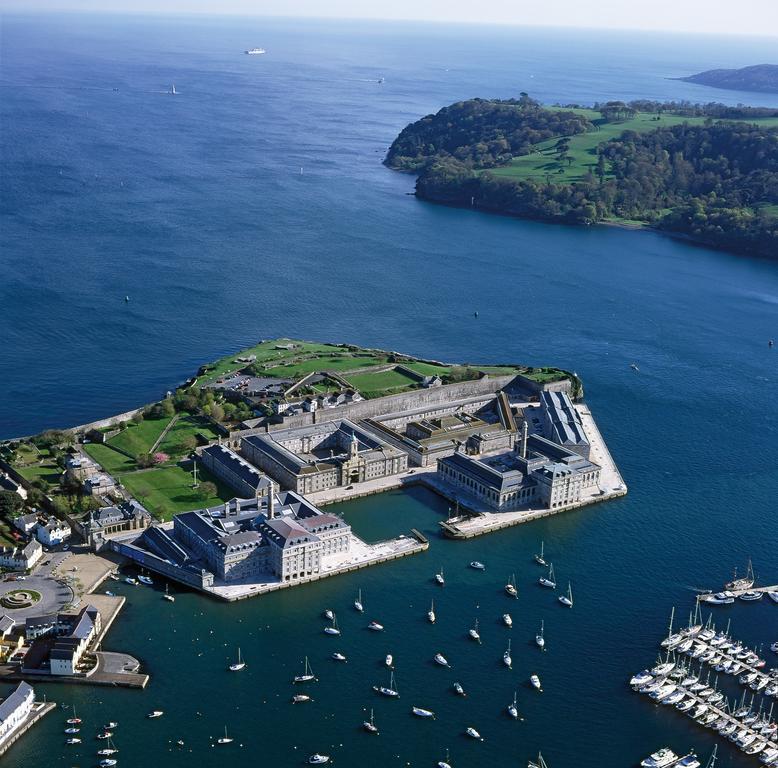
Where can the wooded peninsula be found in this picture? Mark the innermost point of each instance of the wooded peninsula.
(708, 172)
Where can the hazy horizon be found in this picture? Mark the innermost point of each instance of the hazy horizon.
(753, 18)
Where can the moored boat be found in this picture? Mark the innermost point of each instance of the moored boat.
(307, 676)
(420, 712)
(375, 626)
(238, 665)
(535, 682)
(477, 565)
(549, 580)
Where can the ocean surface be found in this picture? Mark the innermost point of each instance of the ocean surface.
(254, 204)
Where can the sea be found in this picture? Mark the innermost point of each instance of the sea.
(253, 204)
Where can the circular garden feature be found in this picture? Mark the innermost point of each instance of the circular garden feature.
(20, 598)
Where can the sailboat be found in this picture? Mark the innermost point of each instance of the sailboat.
(307, 676)
(75, 720)
(369, 725)
(167, 596)
(441, 659)
(431, 613)
(474, 632)
(510, 587)
(225, 739)
(536, 684)
(549, 580)
(506, 657)
(238, 665)
(444, 763)
(745, 582)
(567, 600)
(540, 640)
(333, 629)
(541, 763)
(513, 709)
(539, 559)
(391, 691)
(440, 578)
(109, 750)
(172, 90)
(358, 602)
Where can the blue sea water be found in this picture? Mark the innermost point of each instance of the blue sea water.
(194, 205)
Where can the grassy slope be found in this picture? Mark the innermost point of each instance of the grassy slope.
(112, 461)
(186, 426)
(542, 162)
(138, 438)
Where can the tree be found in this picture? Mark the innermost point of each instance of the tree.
(207, 490)
(217, 412)
(187, 444)
(10, 503)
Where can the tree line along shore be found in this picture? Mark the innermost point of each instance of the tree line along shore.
(706, 172)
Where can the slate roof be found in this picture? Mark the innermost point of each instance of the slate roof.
(565, 421)
(15, 700)
(248, 473)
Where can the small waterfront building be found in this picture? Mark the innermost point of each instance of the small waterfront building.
(26, 523)
(53, 532)
(562, 423)
(233, 470)
(72, 635)
(322, 456)
(106, 521)
(14, 711)
(21, 558)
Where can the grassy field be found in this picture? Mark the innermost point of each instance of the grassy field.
(168, 490)
(428, 369)
(381, 383)
(347, 361)
(47, 470)
(186, 426)
(112, 461)
(542, 163)
(138, 438)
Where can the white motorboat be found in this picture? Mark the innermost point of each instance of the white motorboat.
(567, 600)
(688, 761)
(155, 713)
(507, 620)
(751, 596)
(539, 559)
(773, 596)
(369, 725)
(473, 734)
(444, 763)
(107, 762)
(358, 603)
(75, 720)
(506, 657)
(477, 565)
(307, 676)
(431, 613)
(109, 593)
(105, 735)
(375, 626)
(167, 596)
(540, 639)
(419, 712)
(72, 729)
(300, 698)
(641, 679)
(329, 615)
(389, 660)
(549, 580)
(513, 709)
(662, 758)
(535, 682)
(130, 580)
(318, 759)
(337, 656)
(73, 740)
(441, 659)
(225, 739)
(145, 580)
(439, 578)
(391, 691)
(474, 632)
(459, 690)
(238, 665)
(333, 629)
(255, 51)
(510, 587)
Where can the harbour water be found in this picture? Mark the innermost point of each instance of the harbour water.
(195, 207)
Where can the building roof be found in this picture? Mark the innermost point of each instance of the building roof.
(127, 510)
(40, 621)
(564, 421)
(6, 623)
(497, 479)
(25, 520)
(15, 700)
(239, 466)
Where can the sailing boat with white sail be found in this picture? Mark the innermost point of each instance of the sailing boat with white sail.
(238, 665)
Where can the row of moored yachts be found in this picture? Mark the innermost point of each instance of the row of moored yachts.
(673, 682)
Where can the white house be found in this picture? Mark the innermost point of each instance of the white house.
(14, 711)
(96, 485)
(26, 523)
(7, 483)
(21, 558)
(53, 533)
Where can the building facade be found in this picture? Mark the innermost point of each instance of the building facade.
(53, 532)
(21, 558)
(233, 470)
(14, 711)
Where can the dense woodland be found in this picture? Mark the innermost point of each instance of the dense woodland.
(716, 182)
(481, 133)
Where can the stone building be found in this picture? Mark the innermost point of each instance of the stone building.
(79, 467)
(21, 558)
(233, 470)
(322, 456)
(105, 522)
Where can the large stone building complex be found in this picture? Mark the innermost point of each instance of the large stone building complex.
(233, 470)
(323, 456)
(14, 711)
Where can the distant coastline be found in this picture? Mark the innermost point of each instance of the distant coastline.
(760, 78)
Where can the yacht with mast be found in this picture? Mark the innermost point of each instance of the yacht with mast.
(539, 559)
(238, 665)
(225, 739)
(390, 691)
(744, 582)
(358, 603)
(167, 596)
(540, 639)
(506, 657)
(431, 613)
(567, 600)
(307, 676)
(510, 587)
(473, 632)
(333, 629)
(513, 709)
(369, 725)
(440, 578)
(549, 580)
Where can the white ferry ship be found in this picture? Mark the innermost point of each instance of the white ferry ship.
(255, 51)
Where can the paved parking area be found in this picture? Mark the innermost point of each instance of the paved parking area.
(55, 595)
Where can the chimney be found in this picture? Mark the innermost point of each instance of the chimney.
(524, 431)
(271, 503)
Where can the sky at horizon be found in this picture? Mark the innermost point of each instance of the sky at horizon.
(751, 17)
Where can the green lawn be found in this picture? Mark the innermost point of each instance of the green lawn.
(428, 369)
(347, 361)
(381, 382)
(47, 470)
(138, 438)
(186, 426)
(112, 461)
(168, 490)
(543, 163)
